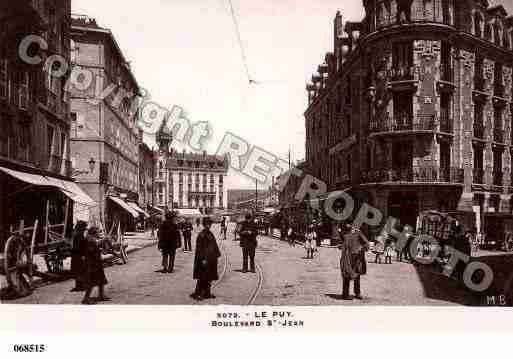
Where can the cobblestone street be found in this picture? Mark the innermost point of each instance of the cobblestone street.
(284, 277)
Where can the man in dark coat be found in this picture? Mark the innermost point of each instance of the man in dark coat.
(78, 255)
(352, 261)
(205, 262)
(248, 242)
(187, 234)
(93, 274)
(169, 241)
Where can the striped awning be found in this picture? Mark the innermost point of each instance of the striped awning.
(138, 209)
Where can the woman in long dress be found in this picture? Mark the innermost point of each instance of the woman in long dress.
(77, 255)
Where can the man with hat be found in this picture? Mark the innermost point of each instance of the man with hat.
(169, 241)
(248, 242)
(205, 262)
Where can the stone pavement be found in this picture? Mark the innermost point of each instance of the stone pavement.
(288, 279)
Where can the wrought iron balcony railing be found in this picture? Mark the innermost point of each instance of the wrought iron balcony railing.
(404, 122)
(402, 73)
(417, 174)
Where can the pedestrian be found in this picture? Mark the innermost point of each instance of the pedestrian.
(93, 274)
(169, 241)
(205, 262)
(352, 262)
(310, 242)
(248, 242)
(223, 229)
(379, 248)
(197, 222)
(78, 255)
(187, 234)
(389, 250)
(404, 253)
(291, 234)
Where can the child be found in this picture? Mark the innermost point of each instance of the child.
(389, 251)
(379, 248)
(310, 242)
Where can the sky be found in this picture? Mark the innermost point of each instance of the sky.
(185, 53)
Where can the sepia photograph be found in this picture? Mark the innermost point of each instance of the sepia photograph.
(216, 155)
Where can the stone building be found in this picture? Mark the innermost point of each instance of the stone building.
(146, 173)
(412, 109)
(35, 167)
(104, 99)
(186, 181)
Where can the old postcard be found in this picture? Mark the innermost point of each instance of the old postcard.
(299, 157)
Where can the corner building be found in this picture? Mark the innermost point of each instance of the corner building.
(412, 110)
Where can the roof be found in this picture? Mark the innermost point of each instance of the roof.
(89, 24)
(197, 160)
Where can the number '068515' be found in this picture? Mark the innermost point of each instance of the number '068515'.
(29, 348)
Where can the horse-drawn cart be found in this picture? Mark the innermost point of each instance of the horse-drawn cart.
(18, 261)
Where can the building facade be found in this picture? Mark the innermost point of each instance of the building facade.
(34, 118)
(412, 109)
(103, 101)
(146, 173)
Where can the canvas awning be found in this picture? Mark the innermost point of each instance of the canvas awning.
(161, 211)
(139, 209)
(125, 206)
(70, 189)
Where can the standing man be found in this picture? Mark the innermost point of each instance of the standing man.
(248, 242)
(187, 234)
(169, 241)
(223, 228)
(205, 262)
(352, 261)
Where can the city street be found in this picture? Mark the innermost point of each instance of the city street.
(284, 277)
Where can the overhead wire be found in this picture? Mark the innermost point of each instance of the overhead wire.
(241, 44)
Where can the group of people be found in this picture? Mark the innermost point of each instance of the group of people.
(206, 254)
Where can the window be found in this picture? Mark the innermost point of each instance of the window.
(488, 31)
(4, 79)
(23, 90)
(447, 7)
(497, 34)
(478, 24)
(402, 60)
(50, 131)
(63, 145)
(221, 178)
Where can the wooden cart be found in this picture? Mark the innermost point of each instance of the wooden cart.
(17, 263)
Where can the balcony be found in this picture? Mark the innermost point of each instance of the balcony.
(477, 176)
(497, 178)
(404, 123)
(479, 130)
(498, 135)
(415, 175)
(402, 73)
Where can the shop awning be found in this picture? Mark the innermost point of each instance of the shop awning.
(125, 206)
(139, 209)
(70, 189)
(325, 196)
(189, 212)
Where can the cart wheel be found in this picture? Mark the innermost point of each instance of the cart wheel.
(17, 265)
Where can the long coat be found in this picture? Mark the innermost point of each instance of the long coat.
(169, 236)
(248, 235)
(352, 259)
(206, 250)
(93, 275)
(78, 253)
